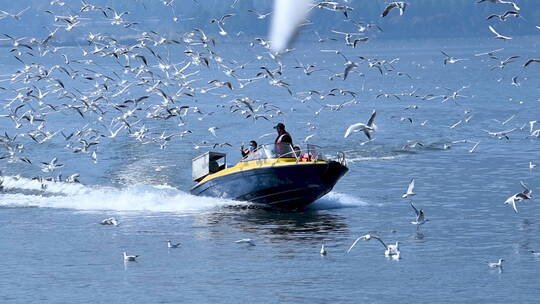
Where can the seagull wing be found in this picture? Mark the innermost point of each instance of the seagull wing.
(514, 205)
(372, 119)
(381, 241)
(367, 133)
(388, 9)
(363, 237)
(411, 186)
(415, 210)
(493, 30)
(527, 190)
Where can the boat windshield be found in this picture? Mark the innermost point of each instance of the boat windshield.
(283, 150)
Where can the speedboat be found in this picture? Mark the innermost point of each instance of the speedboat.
(277, 175)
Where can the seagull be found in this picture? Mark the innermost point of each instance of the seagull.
(259, 15)
(515, 81)
(410, 190)
(497, 264)
(531, 165)
(500, 134)
(398, 4)
(213, 130)
(524, 195)
(498, 36)
(504, 16)
(366, 128)
(474, 147)
(420, 217)
(323, 251)
(309, 137)
(536, 253)
(109, 221)
(501, 2)
(50, 167)
(248, 241)
(390, 250)
(130, 258)
(171, 245)
(491, 54)
(531, 61)
(17, 16)
(450, 59)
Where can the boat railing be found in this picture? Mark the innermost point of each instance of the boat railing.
(305, 153)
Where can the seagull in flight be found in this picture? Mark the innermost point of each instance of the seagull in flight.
(259, 15)
(17, 16)
(368, 128)
(401, 5)
(526, 194)
(497, 35)
(391, 250)
(420, 217)
(531, 61)
(500, 134)
(450, 59)
(491, 54)
(410, 190)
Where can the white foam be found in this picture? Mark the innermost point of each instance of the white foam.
(369, 158)
(160, 198)
(336, 200)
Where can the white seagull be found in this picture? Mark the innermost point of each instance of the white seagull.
(213, 130)
(130, 258)
(171, 245)
(497, 35)
(110, 221)
(497, 264)
(401, 5)
(390, 250)
(410, 190)
(248, 241)
(531, 166)
(323, 251)
(368, 128)
(520, 196)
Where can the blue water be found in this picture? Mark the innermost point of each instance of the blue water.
(53, 250)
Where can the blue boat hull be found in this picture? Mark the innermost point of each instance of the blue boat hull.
(290, 186)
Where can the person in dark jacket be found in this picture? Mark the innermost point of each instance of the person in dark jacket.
(283, 135)
(283, 140)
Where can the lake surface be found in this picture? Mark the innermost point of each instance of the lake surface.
(53, 249)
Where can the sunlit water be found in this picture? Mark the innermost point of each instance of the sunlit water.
(53, 249)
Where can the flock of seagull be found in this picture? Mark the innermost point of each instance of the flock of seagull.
(141, 85)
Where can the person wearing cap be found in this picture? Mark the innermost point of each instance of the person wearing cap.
(283, 140)
(283, 135)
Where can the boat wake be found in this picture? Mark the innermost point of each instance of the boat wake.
(23, 192)
(336, 200)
